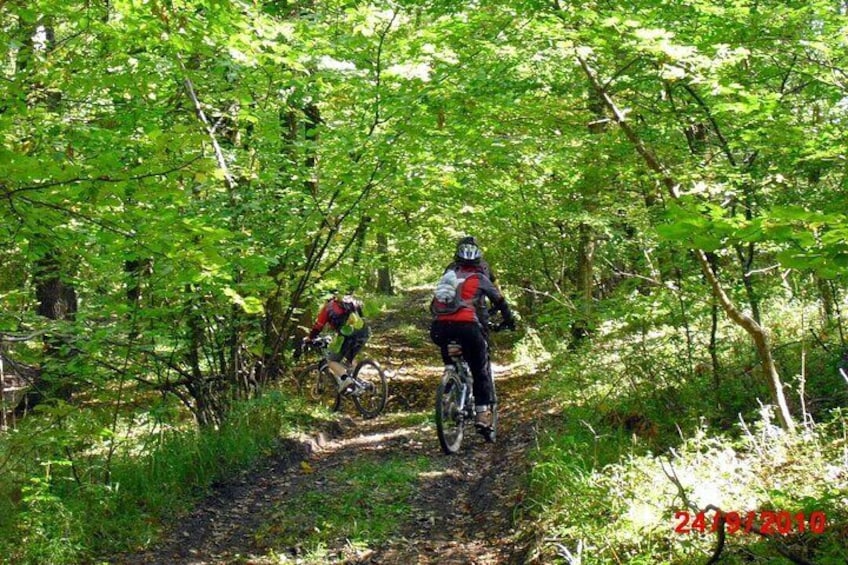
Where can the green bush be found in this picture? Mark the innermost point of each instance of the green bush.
(637, 435)
(62, 519)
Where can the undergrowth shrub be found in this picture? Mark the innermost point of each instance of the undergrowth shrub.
(61, 518)
(625, 511)
(645, 428)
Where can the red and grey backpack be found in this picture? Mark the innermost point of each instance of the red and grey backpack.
(447, 296)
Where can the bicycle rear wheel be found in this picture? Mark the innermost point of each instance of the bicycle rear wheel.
(372, 389)
(490, 435)
(449, 420)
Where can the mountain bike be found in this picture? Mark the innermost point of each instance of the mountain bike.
(455, 402)
(369, 390)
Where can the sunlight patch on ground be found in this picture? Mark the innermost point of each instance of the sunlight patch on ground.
(499, 370)
(366, 440)
(512, 370)
(419, 372)
(438, 474)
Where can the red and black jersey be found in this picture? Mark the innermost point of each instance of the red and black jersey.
(473, 291)
(462, 268)
(334, 313)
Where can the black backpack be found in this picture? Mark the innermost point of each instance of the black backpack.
(349, 305)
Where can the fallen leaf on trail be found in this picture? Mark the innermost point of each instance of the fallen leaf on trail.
(306, 467)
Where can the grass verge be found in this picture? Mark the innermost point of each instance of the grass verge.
(628, 446)
(68, 513)
(365, 505)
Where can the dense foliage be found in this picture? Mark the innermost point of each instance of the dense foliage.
(180, 181)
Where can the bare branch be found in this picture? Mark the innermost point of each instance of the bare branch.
(210, 130)
(761, 271)
(20, 338)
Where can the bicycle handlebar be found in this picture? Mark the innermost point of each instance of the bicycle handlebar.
(318, 342)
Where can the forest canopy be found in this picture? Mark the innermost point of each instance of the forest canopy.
(182, 181)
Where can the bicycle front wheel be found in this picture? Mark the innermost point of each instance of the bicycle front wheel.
(372, 388)
(449, 421)
(324, 389)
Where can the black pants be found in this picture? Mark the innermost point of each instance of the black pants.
(475, 351)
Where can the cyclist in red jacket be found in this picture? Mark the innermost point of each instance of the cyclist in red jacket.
(468, 259)
(458, 321)
(344, 316)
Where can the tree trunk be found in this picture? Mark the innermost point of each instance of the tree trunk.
(751, 327)
(283, 321)
(57, 300)
(746, 262)
(713, 345)
(684, 316)
(208, 391)
(826, 300)
(15, 382)
(581, 328)
(384, 273)
(313, 120)
(359, 243)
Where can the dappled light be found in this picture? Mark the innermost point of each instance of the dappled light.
(237, 238)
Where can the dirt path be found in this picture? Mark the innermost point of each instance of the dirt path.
(461, 509)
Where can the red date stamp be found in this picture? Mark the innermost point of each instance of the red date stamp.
(765, 522)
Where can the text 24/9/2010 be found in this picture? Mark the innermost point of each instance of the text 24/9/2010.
(765, 522)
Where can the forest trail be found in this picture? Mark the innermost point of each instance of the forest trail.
(457, 509)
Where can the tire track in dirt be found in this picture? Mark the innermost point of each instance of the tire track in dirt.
(466, 510)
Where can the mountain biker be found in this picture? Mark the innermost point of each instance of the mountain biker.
(343, 315)
(468, 259)
(463, 326)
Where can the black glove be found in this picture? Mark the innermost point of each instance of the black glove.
(508, 324)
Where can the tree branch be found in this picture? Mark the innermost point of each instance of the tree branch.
(105, 225)
(378, 72)
(219, 155)
(725, 147)
(102, 178)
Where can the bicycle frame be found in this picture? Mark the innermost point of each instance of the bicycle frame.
(455, 403)
(369, 390)
(463, 373)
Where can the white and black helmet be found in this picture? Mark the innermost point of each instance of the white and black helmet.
(468, 252)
